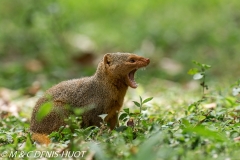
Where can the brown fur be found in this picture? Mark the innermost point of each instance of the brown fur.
(102, 93)
(41, 138)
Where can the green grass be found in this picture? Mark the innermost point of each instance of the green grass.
(176, 124)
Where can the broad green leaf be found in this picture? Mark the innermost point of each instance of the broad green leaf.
(66, 131)
(191, 107)
(146, 149)
(129, 133)
(197, 76)
(185, 123)
(205, 132)
(133, 115)
(28, 146)
(121, 128)
(126, 110)
(136, 103)
(197, 63)
(44, 110)
(147, 100)
(200, 118)
(140, 99)
(206, 66)
(202, 65)
(123, 116)
(193, 71)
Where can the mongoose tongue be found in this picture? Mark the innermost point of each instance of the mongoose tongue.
(132, 82)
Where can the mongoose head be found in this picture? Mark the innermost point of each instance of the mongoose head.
(122, 66)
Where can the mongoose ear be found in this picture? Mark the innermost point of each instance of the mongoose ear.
(107, 60)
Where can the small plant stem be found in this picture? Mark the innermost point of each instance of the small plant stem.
(203, 86)
(141, 103)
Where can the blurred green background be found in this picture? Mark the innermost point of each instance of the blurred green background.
(45, 42)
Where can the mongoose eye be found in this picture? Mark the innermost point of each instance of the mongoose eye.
(132, 60)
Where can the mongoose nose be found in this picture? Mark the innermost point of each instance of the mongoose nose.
(147, 60)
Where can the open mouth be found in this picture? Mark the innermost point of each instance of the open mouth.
(132, 82)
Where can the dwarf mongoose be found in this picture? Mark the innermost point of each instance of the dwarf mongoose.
(102, 93)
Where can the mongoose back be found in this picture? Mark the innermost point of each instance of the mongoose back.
(102, 93)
